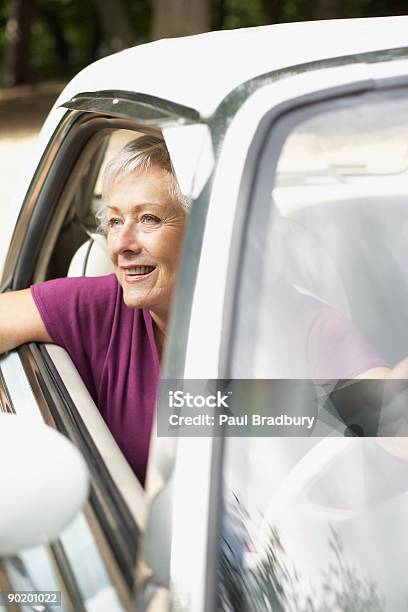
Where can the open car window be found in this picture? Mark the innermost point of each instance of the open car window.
(93, 563)
(75, 223)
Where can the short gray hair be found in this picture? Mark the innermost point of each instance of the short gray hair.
(139, 154)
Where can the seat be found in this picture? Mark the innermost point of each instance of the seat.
(366, 240)
(91, 259)
(307, 265)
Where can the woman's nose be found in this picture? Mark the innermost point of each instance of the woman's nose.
(127, 238)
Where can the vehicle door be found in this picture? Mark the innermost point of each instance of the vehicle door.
(306, 223)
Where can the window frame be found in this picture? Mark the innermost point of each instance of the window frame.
(40, 220)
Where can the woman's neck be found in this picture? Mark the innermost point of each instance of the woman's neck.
(160, 333)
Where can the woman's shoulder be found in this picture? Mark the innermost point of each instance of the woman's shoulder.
(68, 292)
(82, 283)
(107, 281)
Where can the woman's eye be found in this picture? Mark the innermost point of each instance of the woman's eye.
(113, 222)
(150, 219)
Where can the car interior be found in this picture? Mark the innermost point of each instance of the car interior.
(363, 276)
(337, 220)
(372, 268)
(74, 245)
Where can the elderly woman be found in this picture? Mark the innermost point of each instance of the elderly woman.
(114, 326)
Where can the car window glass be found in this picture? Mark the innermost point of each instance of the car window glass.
(333, 248)
(311, 520)
(36, 570)
(32, 570)
(86, 563)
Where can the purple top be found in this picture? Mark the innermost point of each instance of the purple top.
(313, 340)
(336, 349)
(114, 350)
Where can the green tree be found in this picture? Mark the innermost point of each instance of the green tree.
(42, 39)
(56, 38)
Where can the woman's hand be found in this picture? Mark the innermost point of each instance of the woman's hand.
(393, 425)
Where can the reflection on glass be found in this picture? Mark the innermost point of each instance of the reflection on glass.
(32, 570)
(86, 563)
(317, 524)
(324, 289)
(313, 526)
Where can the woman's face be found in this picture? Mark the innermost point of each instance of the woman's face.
(145, 231)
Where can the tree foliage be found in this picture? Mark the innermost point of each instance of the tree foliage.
(66, 35)
(59, 37)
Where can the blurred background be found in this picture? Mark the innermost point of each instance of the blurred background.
(45, 42)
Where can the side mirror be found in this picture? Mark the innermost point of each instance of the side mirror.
(43, 483)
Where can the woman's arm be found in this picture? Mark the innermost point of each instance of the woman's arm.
(20, 320)
(398, 372)
(379, 373)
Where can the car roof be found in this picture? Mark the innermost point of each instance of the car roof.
(199, 71)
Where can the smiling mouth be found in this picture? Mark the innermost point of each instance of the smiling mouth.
(138, 271)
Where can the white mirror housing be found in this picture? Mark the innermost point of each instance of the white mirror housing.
(43, 483)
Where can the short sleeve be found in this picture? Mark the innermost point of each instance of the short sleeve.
(78, 315)
(336, 349)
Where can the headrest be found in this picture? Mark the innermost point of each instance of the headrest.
(91, 259)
